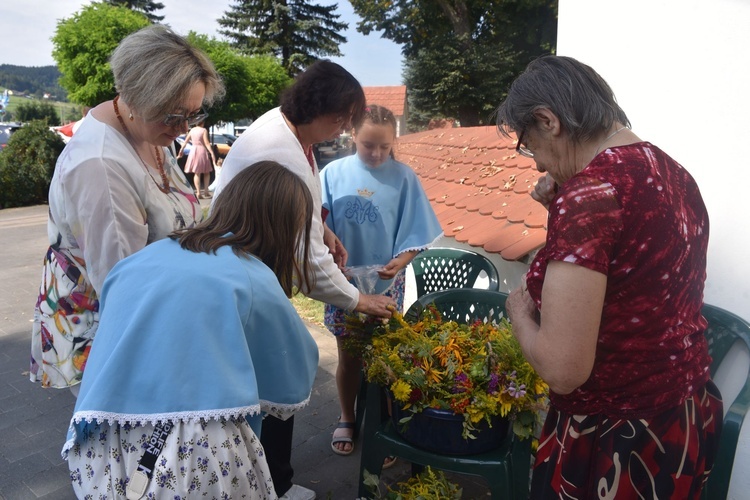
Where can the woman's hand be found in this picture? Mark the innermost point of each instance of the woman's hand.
(376, 305)
(545, 190)
(520, 307)
(339, 253)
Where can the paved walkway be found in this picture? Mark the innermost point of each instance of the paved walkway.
(33, 421)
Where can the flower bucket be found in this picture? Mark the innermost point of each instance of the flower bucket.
(439, 431)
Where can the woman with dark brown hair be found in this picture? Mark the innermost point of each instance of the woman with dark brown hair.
(324, 101)
(194, 386)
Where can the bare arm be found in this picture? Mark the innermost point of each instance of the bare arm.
(208, 146)
(562, 347)
(396, 264)
(184, 145)
(340, 255)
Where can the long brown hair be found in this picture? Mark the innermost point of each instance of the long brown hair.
(268, 210)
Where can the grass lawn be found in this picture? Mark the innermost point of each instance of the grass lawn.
(310, 310)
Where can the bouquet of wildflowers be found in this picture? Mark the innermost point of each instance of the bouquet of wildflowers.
(475, 370)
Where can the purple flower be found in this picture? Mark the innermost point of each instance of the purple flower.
(493, 384)
(461, 379)
(517, 392)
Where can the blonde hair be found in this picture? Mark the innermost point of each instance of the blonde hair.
(155, 67)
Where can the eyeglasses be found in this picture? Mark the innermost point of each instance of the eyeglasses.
(178, 120)
(523, 150)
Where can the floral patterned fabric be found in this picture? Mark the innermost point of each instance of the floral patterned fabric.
(636, 216)
(189, 466)
(668, 456)
(104, 205)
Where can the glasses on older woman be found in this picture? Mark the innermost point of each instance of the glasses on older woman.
(177, 120)
(521, 149)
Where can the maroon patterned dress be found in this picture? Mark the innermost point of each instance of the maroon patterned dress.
(647, 421)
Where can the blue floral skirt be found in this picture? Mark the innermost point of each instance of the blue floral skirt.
(216, 459)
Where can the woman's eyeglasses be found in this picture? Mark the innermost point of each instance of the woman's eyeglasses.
(178, 120)
(523, 150)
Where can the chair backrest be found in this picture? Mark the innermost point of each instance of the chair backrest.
(438, 269)
(462, 305)
(728, 339)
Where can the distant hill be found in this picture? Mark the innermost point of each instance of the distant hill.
(33, 80)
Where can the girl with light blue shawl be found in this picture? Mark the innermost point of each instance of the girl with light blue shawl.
(206, 355)
(383, 218)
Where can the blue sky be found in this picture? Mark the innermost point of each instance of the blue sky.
(26, 27)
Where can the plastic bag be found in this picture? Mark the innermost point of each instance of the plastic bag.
(365, 277)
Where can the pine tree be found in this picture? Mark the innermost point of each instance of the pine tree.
(295, 31)
(145, 7)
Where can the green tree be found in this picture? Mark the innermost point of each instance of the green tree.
(27, 164)
(296, 31)
(145, 7)
(253, 84)
(461, 55)
(82, 46)
(36, 110)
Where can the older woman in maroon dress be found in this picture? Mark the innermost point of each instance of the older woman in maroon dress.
(610, 315)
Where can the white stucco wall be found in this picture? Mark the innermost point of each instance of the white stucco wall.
(681, 71)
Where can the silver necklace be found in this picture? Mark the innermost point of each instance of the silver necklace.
(608, 138)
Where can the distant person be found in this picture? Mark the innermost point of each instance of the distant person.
(201, 159)
(382, 216)
(610, 313)
(209, 373)
(321, 103)
(117, 188)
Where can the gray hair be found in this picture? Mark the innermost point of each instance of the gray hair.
(580, 98)
(154, 68)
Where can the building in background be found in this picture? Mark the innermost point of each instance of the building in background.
(394, 98)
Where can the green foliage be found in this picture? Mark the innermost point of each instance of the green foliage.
(27, 164)
(36, 110)
(83, 44)
(267, 80)
(296, 31)
(253, 84)
(146, 7)
(427, 485)
(461, 55)
(30, 80)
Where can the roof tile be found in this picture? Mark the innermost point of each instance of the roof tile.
(478, 186)
(392, 97)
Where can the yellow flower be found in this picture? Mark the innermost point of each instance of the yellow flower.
(401, 390)
(429, 372)
(475, 414)
(540, 387)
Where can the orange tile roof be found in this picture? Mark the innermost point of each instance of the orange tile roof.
(479, 188)
(391, 97)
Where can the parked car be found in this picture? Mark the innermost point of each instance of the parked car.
(6, 130)
(220, 142)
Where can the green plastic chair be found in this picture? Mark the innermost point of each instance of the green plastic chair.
(506, 469)
(438, 269)
(724, 329)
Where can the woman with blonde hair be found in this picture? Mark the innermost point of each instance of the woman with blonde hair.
(117, 188)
